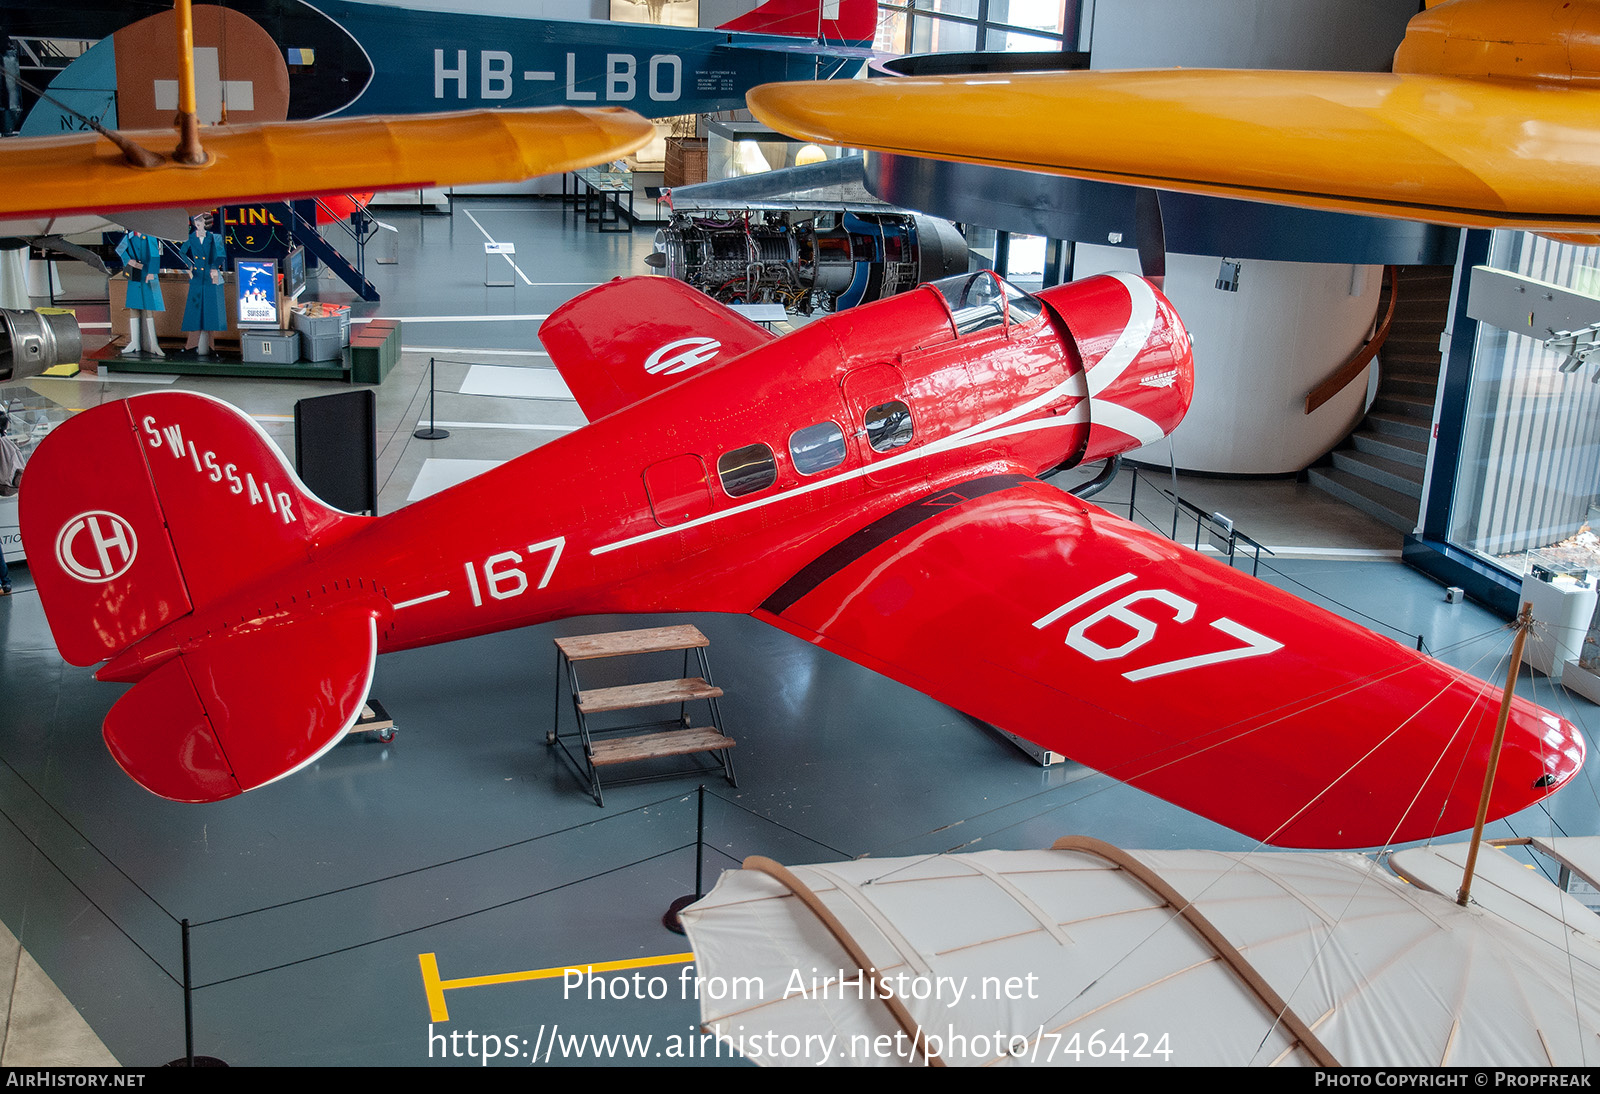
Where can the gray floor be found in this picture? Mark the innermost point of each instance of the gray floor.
(466, 838)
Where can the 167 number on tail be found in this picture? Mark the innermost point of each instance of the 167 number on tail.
(1121, 611)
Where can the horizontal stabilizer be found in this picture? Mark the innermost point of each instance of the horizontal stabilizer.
(635, 336)
(247, 708)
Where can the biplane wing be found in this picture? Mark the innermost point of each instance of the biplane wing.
(1491, 118)
(1436, 148)
(85, 172)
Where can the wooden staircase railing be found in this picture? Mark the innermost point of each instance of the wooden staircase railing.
(1359, 360)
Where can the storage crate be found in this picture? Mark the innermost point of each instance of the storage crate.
(323, 320)
(270, 347)
(374, 350)
(324, 346)
(686, 161)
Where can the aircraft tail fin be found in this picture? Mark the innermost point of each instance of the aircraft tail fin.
(849, 21)
(135, 513)
(138, 512)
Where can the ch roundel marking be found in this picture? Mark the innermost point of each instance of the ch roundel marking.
(682, 355)
(96, 546)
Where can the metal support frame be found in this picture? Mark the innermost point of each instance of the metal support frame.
(582, 760)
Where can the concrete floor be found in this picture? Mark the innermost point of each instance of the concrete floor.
(315, 900)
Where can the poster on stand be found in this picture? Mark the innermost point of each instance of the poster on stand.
(258, 292)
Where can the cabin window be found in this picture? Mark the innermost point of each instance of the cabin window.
(888, 426)
(816, 448)
(747, 470)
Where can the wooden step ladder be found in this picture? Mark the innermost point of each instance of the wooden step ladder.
(624, 744)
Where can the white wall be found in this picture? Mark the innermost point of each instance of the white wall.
(1257, 353)
(1345, 35)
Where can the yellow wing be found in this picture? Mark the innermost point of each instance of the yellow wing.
(1446, 149)
(86, 173)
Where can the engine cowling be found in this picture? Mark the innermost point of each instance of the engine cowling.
(1138, 356)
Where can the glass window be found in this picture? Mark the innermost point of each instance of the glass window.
(940, 26)
(891, 35)
(747, 470)
(932, 35)
(967, 8)
(888, 426)
(1045, 15)
(982, 245)
(816, 448)
(1530, 457)
(1025, 265)
(1015, 41)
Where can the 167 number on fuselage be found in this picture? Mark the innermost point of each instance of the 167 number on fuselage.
(1079, 638)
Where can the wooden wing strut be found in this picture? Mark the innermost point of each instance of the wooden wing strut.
(1225, 950)
(782, 874)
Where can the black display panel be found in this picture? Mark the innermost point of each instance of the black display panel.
(336, 449)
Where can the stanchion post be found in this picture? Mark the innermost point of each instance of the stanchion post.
(670, 919)
(433, 432)
(188, 1002)
(189, 1059)
(700, 842)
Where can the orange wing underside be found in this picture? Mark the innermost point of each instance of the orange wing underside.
(86, 173)
(1450, 150)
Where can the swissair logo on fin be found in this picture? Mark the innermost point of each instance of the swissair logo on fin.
(681, 356)
(96, 546)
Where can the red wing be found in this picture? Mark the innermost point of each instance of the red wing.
(1052, 619)
(633, 337)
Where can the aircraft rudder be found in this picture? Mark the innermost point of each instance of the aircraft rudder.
(846, 21)
(135, 513)
(95, 538)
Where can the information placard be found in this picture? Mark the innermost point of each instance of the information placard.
(258, 292)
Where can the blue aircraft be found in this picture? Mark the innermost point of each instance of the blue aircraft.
(267, 60)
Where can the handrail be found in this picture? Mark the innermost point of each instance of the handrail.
(1358, 362)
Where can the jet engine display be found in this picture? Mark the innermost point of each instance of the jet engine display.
(808, 262)
(32, 341)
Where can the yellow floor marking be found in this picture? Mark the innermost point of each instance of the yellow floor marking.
(435, 988)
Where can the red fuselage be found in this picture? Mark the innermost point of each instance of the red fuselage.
(632, 513)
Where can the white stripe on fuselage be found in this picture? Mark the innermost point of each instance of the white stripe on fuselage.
(1129, 344)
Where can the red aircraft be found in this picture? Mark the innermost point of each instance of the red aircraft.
(868, 483)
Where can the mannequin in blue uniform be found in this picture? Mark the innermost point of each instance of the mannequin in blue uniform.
(141, 255)
(203, 312)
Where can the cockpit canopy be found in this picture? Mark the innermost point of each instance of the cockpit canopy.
(984, 299)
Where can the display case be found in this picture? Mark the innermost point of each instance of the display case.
(32, 418)
(749, 148)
